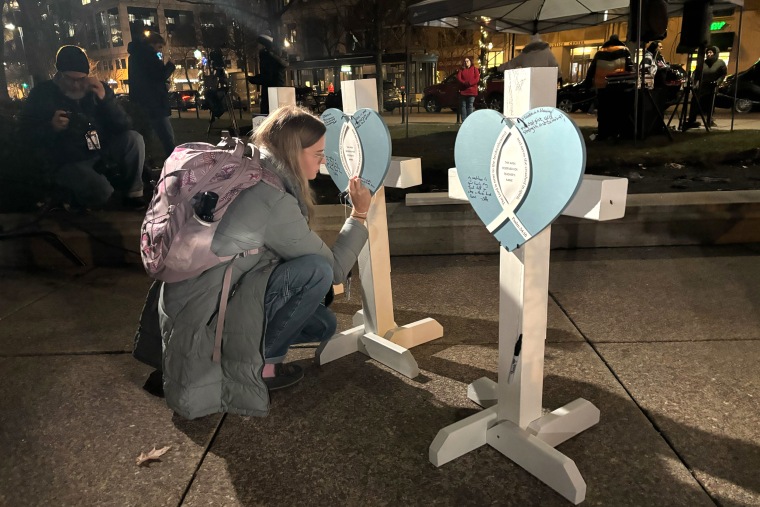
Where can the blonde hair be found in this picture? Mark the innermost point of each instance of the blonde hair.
(284, 134)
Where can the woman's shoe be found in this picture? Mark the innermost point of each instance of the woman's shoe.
(285, 375)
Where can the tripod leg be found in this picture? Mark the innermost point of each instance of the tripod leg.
(231, 112)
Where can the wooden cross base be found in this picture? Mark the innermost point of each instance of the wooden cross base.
(531, 448)
(390, 350)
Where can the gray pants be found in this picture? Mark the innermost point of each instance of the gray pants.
(89, 188)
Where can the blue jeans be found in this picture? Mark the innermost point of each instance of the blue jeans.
(467, 102)
(293, 306)
(87, 187)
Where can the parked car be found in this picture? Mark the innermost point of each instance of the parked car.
(183, 99)
(574, 96)
(446, 95)
(747, 93)
(493, 96)
(391, 96)
(580, 96)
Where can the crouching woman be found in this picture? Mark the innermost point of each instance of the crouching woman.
(276, 296)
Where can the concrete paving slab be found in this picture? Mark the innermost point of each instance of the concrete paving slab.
(705, 399)
(460, 292)
(98, 312)
(354, 433)
(659, 294)
(22, 287)
(71, 428)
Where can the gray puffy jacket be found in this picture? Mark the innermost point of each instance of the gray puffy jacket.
(195, 386)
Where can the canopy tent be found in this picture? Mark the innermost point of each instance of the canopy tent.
(542, 16)
(519, 16)
(531, 16)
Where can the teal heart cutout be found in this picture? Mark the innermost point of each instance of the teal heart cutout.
(519, 174)
(357, 145)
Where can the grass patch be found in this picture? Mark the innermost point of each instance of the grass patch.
(434, 144)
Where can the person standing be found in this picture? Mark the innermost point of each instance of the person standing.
(707, 78)
(271, 70)
(613, 59)
(148, 75)
(468, 77)
(77, 124)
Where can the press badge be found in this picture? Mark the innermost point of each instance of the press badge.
(93, 142)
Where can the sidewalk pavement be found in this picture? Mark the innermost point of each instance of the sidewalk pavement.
(663, 340)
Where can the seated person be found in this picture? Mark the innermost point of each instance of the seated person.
(278, 292)
(76, 121)
(653, 59)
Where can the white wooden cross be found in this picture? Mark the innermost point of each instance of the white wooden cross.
(512, 420)
(375, 332)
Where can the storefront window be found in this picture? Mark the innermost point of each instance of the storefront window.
(580, 59)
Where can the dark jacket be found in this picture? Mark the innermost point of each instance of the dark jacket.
(272, 69)
(711, 73)
(147, 79)
(612, 58)
(105, 116)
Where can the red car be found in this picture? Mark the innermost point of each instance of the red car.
(182, 100)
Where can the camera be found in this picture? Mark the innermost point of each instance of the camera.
(78, 121)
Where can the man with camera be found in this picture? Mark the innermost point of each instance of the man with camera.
(81, 128)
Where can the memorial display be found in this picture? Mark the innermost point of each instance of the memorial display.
(357, 144)
(511, 172)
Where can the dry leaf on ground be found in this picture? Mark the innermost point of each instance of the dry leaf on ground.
(152, 455)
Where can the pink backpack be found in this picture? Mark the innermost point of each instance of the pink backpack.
(175, 244)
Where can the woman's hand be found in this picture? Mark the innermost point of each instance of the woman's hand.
(360, 197)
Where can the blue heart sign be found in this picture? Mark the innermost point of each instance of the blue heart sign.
(519, 174)
(357, 145)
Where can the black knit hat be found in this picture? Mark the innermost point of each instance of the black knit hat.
(72, 58)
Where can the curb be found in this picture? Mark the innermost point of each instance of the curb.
(669, 219)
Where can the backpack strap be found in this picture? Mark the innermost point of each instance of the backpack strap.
(225, 295)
